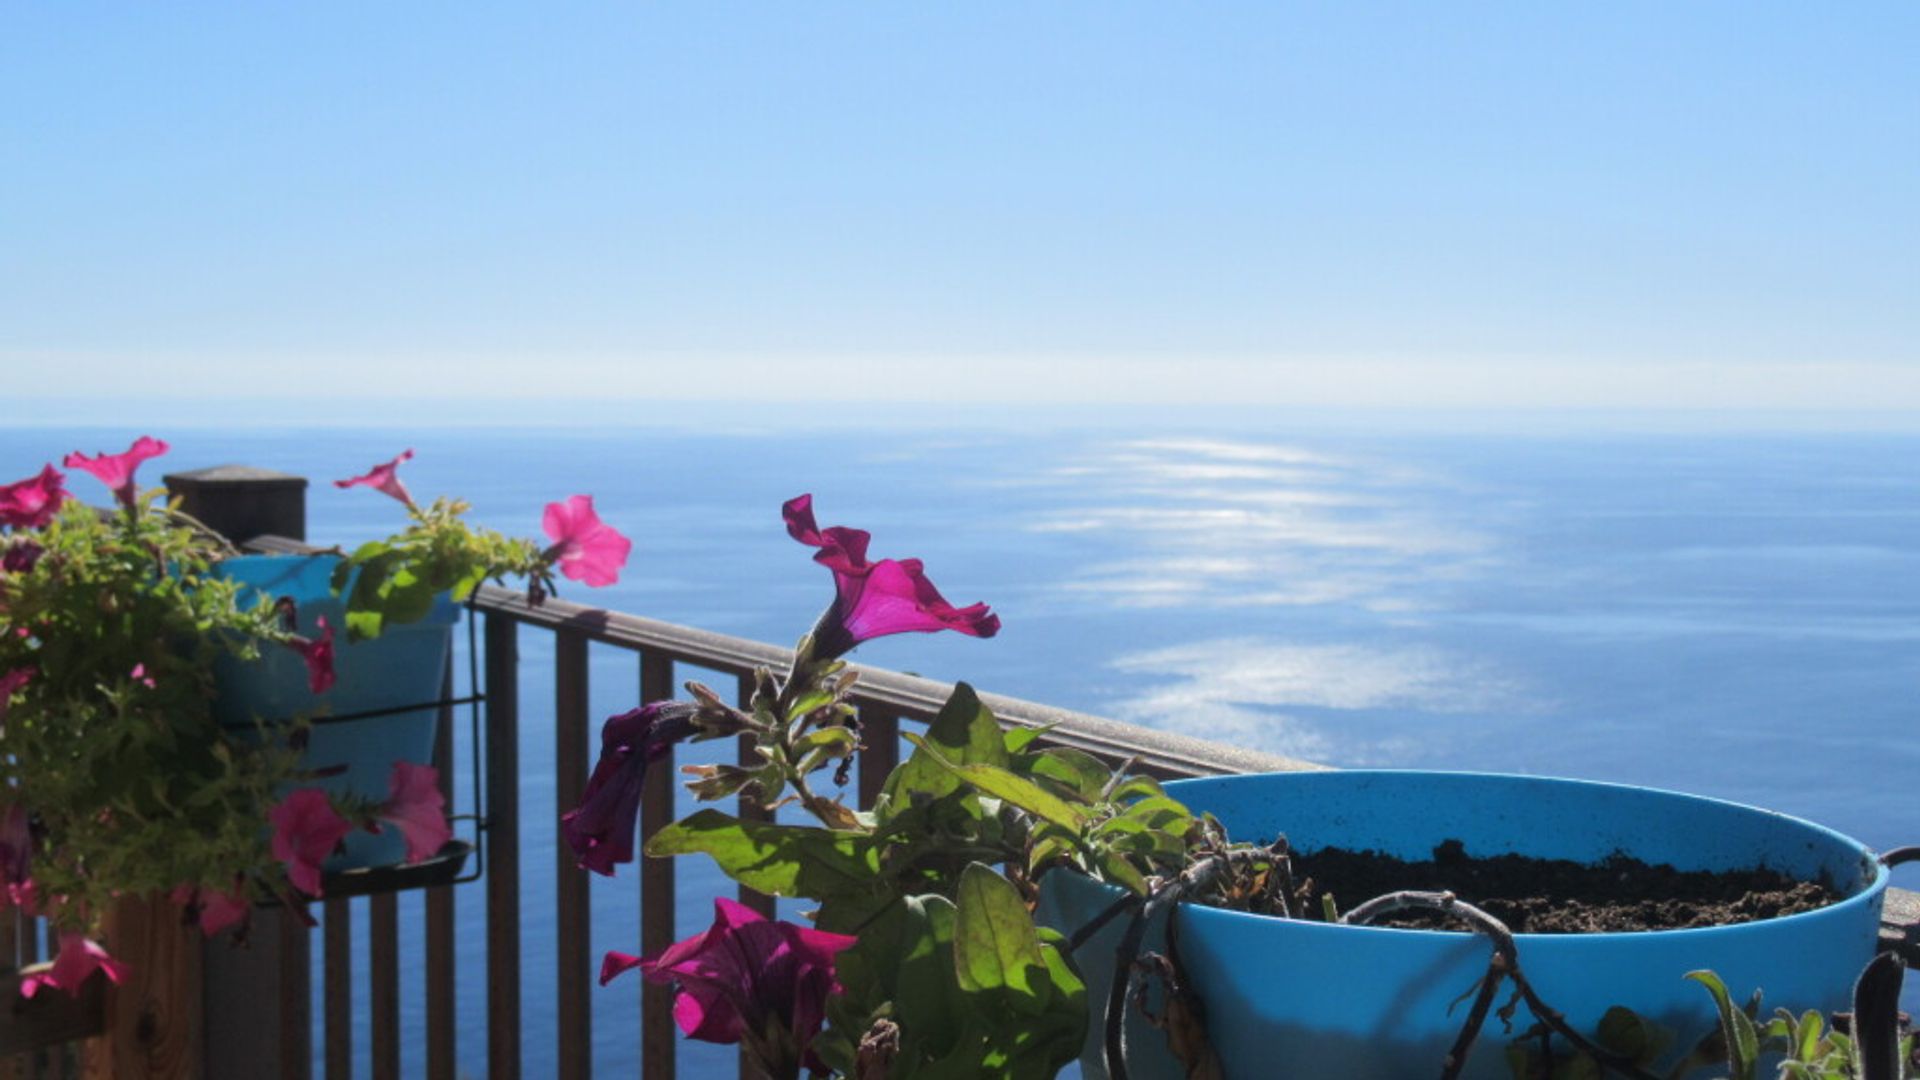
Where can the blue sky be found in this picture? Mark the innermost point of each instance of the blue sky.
(1709, 205)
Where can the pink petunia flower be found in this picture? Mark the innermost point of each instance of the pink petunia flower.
(874, 599)
(139, 675)
(747, 978)
(79, 957)
(10, 684)
(306, 829)
(384, 479)
(841, 548)
(116, 470)
(416, 807)
(21, 557)
(318, 654)
(31, 503)
(588, 549)
(600, 829)
(213, 909)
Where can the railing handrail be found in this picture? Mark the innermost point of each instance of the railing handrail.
(909, 696)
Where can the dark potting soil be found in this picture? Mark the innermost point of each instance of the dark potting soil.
(1557, 896)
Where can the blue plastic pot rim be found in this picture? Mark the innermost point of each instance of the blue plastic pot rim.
(283, 572)
(1866, 895)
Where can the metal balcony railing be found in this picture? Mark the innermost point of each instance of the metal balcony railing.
(885, 700)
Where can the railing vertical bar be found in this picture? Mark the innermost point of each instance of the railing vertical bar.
(572, 912)
(296, 994)
(13, 1066)
(30, 954)
(383, 998)
(503, 848)
(658, 1037)
(879, 750)
(337, 987)
(751, 808)
(439, 903)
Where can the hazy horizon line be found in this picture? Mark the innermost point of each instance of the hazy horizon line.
(729, 417)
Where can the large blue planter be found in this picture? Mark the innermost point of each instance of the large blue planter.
(1289, 998)
(402, 667)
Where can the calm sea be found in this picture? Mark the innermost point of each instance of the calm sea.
(1732, 615)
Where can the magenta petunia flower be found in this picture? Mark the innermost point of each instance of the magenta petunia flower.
(79, 957)
(116, 470)
(841, 548)
(16, 856)
(416, 807)
(21, 557)
(600, 830)
(318, 653)
(747, 977)
(306, 829)
(213, 909)
(588, 549)
(10, 684)
(31, 503)
(383, 478)
(874, 599)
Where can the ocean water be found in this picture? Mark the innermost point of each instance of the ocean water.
(1735, 614)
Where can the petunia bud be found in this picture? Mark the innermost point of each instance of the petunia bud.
(717, 781)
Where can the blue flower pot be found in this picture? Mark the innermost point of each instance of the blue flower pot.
(1309, 999)
(402, 667)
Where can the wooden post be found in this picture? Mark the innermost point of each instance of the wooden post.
(241, 502)
(153, 1018)
(258, 1015)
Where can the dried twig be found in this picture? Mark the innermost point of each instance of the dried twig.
(1505, 963)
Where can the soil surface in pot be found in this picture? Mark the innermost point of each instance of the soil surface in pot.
(1557, 896)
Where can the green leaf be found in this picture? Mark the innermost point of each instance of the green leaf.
(408, 597)
(463, 587)
(781, 860)
(924, 989)
(1632, 1036)
(808, 703)
(1021, 792)
(364, 625)
(365, 553)
(1158, 812)
(995, 946)
(1806, 1035)
(1743, 1042)
(1018, 739)
(1136, 787)
(1077, 771)
(1046, 848)
(835, 741)
(1115, 868)
(965, 733)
